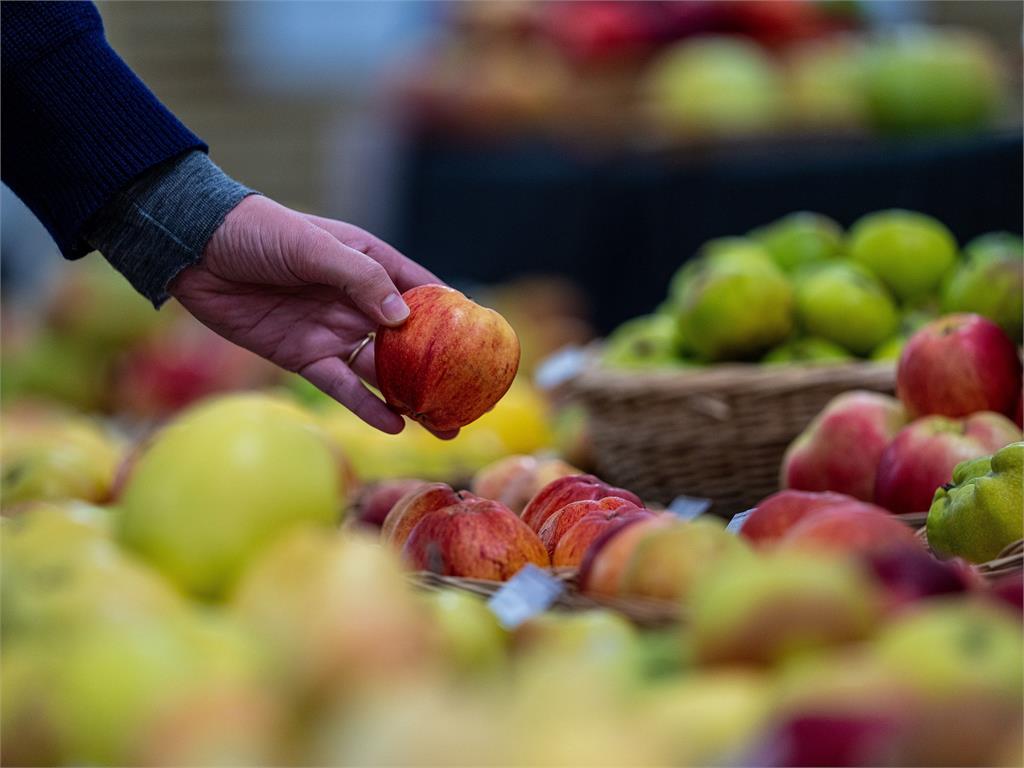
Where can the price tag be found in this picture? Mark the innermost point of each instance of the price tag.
(689, 507)
(737, 521)
(528, 593)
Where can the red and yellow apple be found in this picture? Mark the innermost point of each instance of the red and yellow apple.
(565, 490)
(841, 448)
(449, 362)
(375, 501)
(959, 365)
(514, 480)
(923, 455)
(572, 546)
(608, 556)
(411, 508)
(559, 524)
(667, 561)
(773, 517)
(476, 538)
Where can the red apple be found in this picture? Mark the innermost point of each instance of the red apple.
(1018, 414)
(411, 508)
(609, 554)
(839, 451)
(376, 501)
(853, 526)
(923, 455)
(573, 545)
(909, 574)
(565, 490)
(477, 538)
(772, 518)
(514, 480)
(556, 526)
(958, 365)
(449, 362)
(1009, 591)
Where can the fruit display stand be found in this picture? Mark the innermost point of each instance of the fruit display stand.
(718, 433)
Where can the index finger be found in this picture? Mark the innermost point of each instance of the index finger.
(405, 272)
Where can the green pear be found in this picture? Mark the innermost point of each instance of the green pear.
(992, 286)
(800, 238)
(995, 246)
(739, 252)
(979, 514)
(733, 306)
(846, 305)
(807, 350)
(890, 349)
(650, 341)
(909, 252)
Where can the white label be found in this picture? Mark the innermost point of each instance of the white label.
(737, 521)
(689, 507)
(528, 593)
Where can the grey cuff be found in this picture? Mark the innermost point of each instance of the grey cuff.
(161, 223)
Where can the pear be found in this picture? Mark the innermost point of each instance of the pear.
(649, 341)
(978, 515)
(990, 283)
(801, 238)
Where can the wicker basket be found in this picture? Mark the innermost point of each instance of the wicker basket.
(718, 433)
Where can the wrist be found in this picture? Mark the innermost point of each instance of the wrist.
(161, 224)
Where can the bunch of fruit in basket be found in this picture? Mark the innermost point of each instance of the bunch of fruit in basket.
(800, 290)
(949, 446)
(215, 611)
(696, 71)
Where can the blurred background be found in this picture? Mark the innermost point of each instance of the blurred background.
(560, 160)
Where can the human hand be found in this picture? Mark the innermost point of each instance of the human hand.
(303, 292)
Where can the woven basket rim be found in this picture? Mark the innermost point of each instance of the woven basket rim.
(596, 378)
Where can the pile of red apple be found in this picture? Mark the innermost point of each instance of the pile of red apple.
(959, 392)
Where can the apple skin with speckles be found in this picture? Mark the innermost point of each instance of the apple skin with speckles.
(449, 362)
(475, 538)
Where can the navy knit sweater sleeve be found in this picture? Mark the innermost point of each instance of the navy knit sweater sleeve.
(78, 125)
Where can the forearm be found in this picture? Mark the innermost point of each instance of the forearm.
(78, 125)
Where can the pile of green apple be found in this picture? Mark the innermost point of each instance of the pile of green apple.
(801, 290)
(220, 604)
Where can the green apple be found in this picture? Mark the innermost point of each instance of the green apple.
(50, 456)
(930, 79)
(116, 677)
(706, 717)
(54, 366)
(762, 610)
(716, 85)
(223, 480)
(910, 252)
(733, 306)
(801, 238)
(807, 350)
(952, 647)
(989, 283)
(846, 305)
(595, 636)
(336, 610)
(471, 637)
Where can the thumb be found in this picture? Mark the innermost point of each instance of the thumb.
(317, 257)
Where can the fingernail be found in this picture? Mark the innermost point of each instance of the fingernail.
(394, 308)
